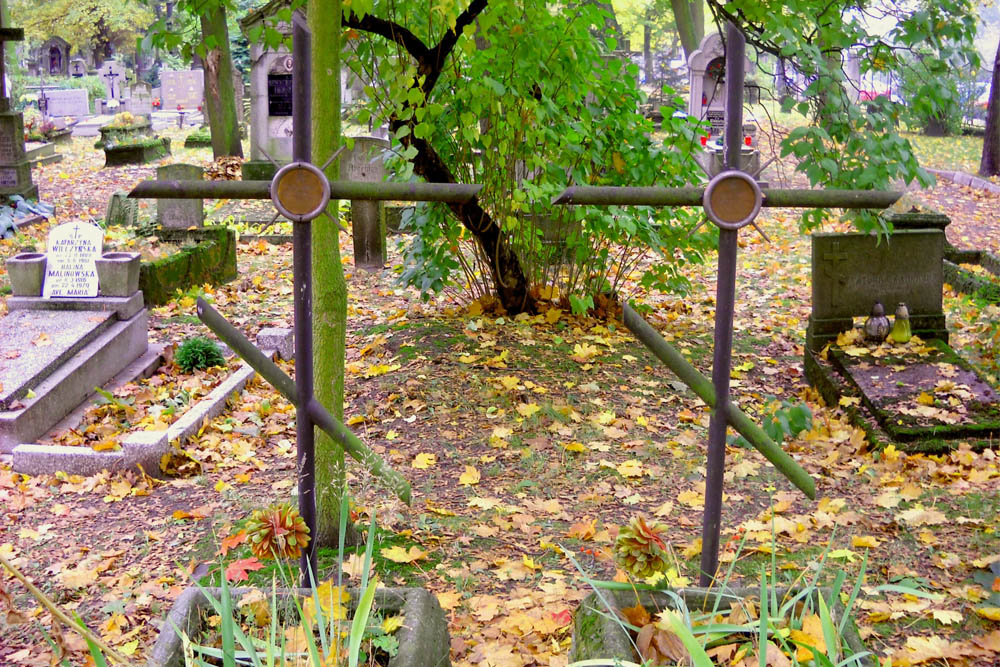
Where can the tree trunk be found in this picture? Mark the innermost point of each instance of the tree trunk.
(690, 18)
(781, 82)
(647, 47)
(220, 98)
(509, 282)
(329, 286)
(989, 165)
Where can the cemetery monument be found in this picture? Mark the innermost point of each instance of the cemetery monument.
(82, 324)
(15, 169)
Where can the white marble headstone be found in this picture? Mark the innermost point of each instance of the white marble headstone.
(70, 267)
(113, 75)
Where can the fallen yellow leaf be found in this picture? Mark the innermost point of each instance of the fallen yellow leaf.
(470, 477)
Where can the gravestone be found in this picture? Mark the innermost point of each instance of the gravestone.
(270, 100)
(65, 342)
(140, 100)
(365, 163)
(71, 261)
(15, 169)
(850, 272)
(122, 211)
(113, 76)
(707, 101)
(77, 68)
(185, 88)
(180, 213)
(68, 102)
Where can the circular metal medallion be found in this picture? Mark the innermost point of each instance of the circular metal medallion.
(300, 191)
(732, 199)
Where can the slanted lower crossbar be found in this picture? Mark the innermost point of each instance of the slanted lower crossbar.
(351, 443)
(705, 390)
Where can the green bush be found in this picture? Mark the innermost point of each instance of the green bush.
(197, 354)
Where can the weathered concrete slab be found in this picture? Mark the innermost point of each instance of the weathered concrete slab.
(36, 343)
(921, 397)
(107, 353)
(124, 307)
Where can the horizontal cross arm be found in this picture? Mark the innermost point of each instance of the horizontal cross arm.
(705, 390)
(353, 190)
(692, 196)
(11, 34)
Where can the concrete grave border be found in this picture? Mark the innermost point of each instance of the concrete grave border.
(146, 448)
(423, 638)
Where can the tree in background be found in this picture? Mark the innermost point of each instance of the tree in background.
(220, 97)
(689, 16)
(104, 26)
(850, 146)
(989, 165)
(329, 286)
(201, 27)
(539, 104)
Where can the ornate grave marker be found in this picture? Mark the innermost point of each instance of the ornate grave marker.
(71, 267)
(301, 192)
(731, 200)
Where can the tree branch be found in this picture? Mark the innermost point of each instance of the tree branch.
(393, 32)
(444, 48)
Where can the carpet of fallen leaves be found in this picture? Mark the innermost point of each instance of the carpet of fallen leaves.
(521, 436)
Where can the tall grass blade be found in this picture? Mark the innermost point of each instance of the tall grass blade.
(360, 622)
(765, 614)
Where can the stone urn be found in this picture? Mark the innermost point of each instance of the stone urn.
(26, 271)
(118, 273)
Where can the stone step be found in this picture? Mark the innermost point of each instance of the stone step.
(46, 159)
(34, 150)
(104, 356)
(36, 343)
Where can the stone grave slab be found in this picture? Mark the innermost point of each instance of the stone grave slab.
(921, 394)
(850, 272)
(35, 343)
(70, 102)
(183, 87)
(180, 213)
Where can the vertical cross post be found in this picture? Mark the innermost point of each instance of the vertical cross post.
(725, 297)
(302, 289)
(6, 35)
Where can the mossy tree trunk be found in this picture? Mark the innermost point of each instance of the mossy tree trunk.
(329, 286)
(220, 98)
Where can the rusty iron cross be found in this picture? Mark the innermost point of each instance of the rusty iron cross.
(732, 199)
(301, 192)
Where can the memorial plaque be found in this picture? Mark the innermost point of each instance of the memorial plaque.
(8, 177)
(7, 150)
(279, 94)
(717, 119)
(70, 268)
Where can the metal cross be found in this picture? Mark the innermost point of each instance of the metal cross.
(732, 200)
(111, 75)
(301, 192)
(7, 35)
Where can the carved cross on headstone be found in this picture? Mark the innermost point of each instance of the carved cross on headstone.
(301, 192)
(731, 200)
(110, 77)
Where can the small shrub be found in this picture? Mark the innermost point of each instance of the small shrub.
(197, 354)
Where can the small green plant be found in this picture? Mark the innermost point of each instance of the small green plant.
(786, 420)
(197, 354)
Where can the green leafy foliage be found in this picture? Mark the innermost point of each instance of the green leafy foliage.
(850, 145)
(198, 353)
(786, 420)
(541, 104)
